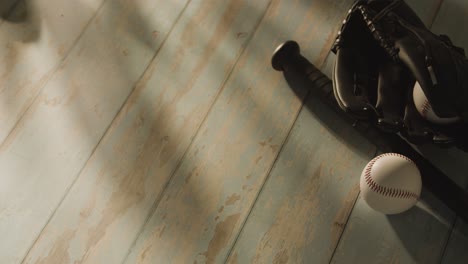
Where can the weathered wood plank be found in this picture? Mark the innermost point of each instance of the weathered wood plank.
(416, 236)
(303, 208)
(45, 152)
(305, 204)
(458, 243)
(211, 193)
(31, 50)
(109, 203)
(453, 16)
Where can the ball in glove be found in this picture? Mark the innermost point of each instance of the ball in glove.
(382, 50)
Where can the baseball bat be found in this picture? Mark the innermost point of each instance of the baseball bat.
(288, 59)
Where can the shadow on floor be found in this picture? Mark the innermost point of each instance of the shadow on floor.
(23, 13)
(434, 229)
(6, 6)
(435, 214)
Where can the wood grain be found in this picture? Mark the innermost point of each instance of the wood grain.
(301, 213)
(211, 193)
(47, 149)
(304, 206)
(109, 203)
(418, 235)
(32, 49)
(415, 236)
(206, 155)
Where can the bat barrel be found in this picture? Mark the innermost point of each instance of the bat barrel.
(288, 59)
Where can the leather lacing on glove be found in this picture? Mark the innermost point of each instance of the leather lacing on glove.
(457, 54)
(382, 49)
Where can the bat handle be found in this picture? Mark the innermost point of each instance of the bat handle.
(285, 54)
(288, 59)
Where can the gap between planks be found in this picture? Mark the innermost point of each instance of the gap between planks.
(54, 70)
(431, 20)
(113, 119)
(322, 62)
(269, 170)
(178, 163)
(125, 102)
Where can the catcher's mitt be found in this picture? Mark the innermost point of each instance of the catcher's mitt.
(382, 50)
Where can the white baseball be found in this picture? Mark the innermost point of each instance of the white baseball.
(425, 109)
(391, 183)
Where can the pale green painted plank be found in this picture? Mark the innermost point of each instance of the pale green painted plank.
(456, 251)
(416, 236)
(109, 203)
(303, 208)
(269, 233)
(452, 21)
(204, 206)
(305, 204)
(32, 49)
(46, 151)
(454, 163)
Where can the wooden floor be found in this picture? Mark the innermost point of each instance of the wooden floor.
(155, 131)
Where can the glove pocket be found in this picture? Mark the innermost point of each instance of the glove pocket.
(351, 79)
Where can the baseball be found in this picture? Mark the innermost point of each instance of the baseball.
(425, 109)
(391, 183)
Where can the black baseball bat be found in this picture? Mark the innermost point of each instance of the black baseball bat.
(288, 59)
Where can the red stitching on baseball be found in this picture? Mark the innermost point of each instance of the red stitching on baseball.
(425, 108)
(387, 191)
